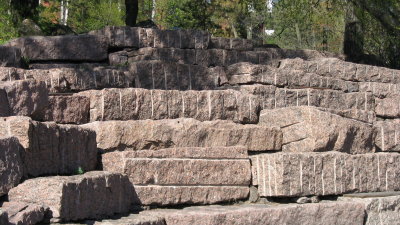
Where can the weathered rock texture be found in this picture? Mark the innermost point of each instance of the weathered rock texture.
(62, 48)
(23, 98)
(150, 134)
(324, 213)
(174, 76)
(67, 110)
(134, 219)
(89, 196)
(304, 174)
(122, 37)
(11, 167)
(10, 56)
(20, 213)
(178, 176)
(387, 138)
(308, 129)
(141, 104)
(51, 148)
(379, 210)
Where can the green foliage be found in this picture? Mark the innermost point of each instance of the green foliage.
(80, 171)
(87, 15)
(7, 28)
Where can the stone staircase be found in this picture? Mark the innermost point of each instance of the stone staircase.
(137, 126)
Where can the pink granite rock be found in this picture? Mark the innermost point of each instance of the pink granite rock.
(150, 134)
(387, 138)
(50, 148)
(10, 164)
(308, 129)
(23, 213)
(88, 196)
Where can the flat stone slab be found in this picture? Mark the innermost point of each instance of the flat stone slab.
(123, 37)
(10, 56)
(134, 219)
(388, 107)
(62, 48)
(159, 134)
(92, 195)
(334, 173)
(67, 109)
(141, 104)
(379, 210)
(11, 166)
(156, 74)
(178, 176)
(23, 98)
(309, 129)
(331, 213)
(50, 148)
(23, 213)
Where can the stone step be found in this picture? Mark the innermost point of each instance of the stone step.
(387, 138)
(73, 78)
(153, 74)
(136, 37)
(336, 68)
(388, 107)
(10, 56)
(231, 43)
(50, 148)
(23, 98)
(179, 176)
(62, 48)
(358, 106)
(11, 166)
(379, 210)
(92, 195)
(159, 134)
(285, 77)
(332, 173)
(20, 213)
(72, 109)
(309, 129)
(141, 104)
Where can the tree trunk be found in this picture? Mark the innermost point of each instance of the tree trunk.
(298, 34)
(132, 8)
(353, 44)
(153, 10)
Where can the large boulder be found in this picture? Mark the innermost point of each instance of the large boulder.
(92, 195)
(50, 148)
(62, 48)
(177, 176)
(142, 104)
(159, 134)
(10, 164)
(308, 129)
(333, 173)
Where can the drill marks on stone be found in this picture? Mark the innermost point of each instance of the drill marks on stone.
(190, 78)
(102, 105)
(152, 103)
(183, 106)
(264, 180)
(120, 102)
(209, 105)
(152, 75)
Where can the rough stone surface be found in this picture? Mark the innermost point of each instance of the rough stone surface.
(149, 134)
(62, 48)
(141, 104)
(10, 164)
(20, 213)
(51, 148)
(184, 175)
(388, 107)
(88, 196)
(134, 219)
(388, 138)
(331, 213)
(379, 210)
(23, 98)
(308, 129)
(174, 76)
(67, 109)
(121, 37)
(10, 56)
(334, 173)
